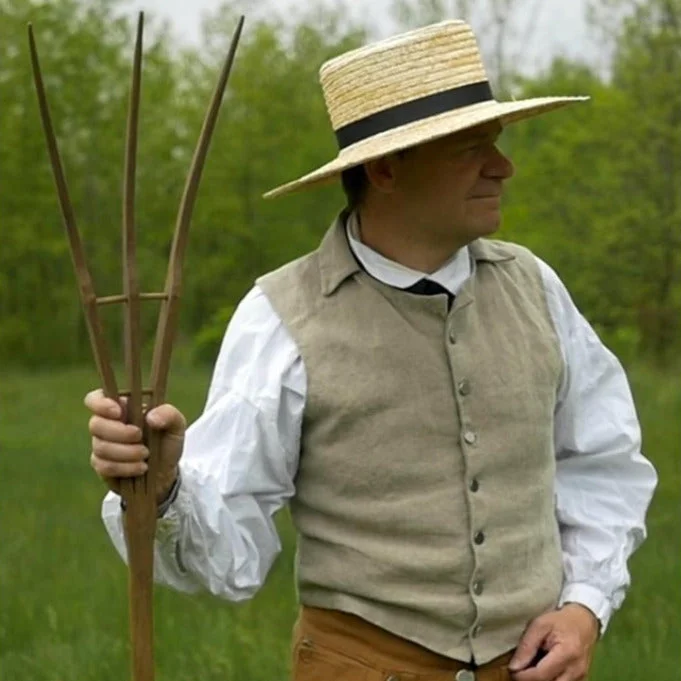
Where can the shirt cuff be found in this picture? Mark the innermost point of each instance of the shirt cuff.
(590, 597)
(168, 526)
(163, 507)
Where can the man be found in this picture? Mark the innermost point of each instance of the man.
(460, 452)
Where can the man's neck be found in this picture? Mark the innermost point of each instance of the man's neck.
(403, 244)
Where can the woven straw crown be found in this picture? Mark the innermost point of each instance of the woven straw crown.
(407, 90)
(399, 70)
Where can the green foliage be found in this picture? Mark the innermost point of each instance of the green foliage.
(208, 339)
(599, 187)
(597, 192)
(273, 128)
(84, 55)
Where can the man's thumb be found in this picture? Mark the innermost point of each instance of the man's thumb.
(167, 418)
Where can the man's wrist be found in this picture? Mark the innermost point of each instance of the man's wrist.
(587, 613)
(167, 498)
(591, 598)
(171, 495)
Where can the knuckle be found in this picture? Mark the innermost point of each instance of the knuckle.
(98, 447)
(130, 434)
(575, 651)
(137, 453)
(105, 468)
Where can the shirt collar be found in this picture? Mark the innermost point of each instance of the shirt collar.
(452, 275)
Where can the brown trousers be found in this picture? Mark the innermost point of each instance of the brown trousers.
(329, 645)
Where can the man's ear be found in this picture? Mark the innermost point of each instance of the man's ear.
(383, 173)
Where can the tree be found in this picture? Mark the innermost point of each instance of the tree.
(599, 194)
(646, 64)
(86, 58)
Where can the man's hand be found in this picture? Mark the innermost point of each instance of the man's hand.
(568, 637)
(118, 450)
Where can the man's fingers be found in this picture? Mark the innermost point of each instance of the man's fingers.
(98, 404)
(114, 431)
(529, 645)
(118, 453)
(168, 418)
(557, 664)
(113, 469)
(105, 407)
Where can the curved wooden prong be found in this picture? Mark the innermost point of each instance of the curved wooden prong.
(131, 287)
(168, 317)
(140, 517)
(85, 286)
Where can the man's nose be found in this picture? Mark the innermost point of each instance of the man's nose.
(498, 165)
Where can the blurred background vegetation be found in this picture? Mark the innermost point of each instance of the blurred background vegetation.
(597, 194)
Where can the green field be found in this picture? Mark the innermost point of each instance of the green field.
(63, 594)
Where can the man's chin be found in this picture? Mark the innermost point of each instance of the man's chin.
(488, 226)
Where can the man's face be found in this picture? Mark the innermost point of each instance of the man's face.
(452, 187)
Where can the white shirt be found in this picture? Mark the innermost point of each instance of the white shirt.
(240, 457)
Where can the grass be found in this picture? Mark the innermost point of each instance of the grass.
(63, 593)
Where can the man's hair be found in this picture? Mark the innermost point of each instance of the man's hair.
(355, 185)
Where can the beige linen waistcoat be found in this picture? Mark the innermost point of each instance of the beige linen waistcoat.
(425, 491)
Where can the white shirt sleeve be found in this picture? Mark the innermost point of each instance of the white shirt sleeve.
(238, 464)
(603, 483)
(242, 454)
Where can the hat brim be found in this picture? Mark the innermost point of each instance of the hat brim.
(423, 131)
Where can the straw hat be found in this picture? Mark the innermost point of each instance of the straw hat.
(406, 90)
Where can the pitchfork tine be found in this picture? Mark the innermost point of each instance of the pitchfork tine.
(139, 493)
(167, 323)
(86, 288)
(140, 519)
(131, 288)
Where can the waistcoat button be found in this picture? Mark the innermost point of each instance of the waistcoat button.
(464, 387)
(474, 486)
(479, 538)
(478, 587)
(465, 675)
(470, 437)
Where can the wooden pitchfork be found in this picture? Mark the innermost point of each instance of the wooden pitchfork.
(138, 493)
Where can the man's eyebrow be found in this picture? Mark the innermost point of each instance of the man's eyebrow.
(466, 141)
(482, 137)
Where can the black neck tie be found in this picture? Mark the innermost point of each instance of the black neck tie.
(426, 287)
